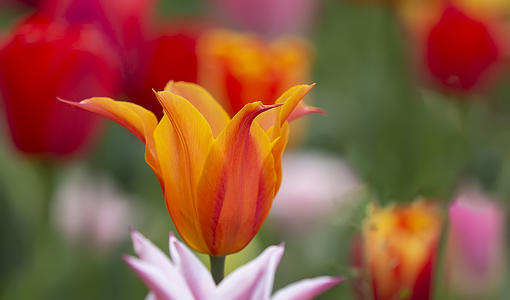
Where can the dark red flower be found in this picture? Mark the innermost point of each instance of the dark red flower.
(125, 23)
(41, 60)
(171, 55)
(460, 50)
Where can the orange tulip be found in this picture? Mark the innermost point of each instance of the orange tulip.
(399, 249)
(219, 174)
(239, 68)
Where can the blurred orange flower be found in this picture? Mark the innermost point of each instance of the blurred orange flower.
(240, 68)
(219, 174)
(399, 249)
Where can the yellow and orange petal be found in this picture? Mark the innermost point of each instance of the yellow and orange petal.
(138, 120)
(400, 244)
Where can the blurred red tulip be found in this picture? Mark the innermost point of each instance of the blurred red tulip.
(271, 17)
(126, 23)
(461, 44)
(42, 60)
(171, 55)
(461, 50)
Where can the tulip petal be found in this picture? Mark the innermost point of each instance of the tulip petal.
(307, 288)
(149, 253)
(150, 296)
(195, 274)
(237, 180)
(160, 285)
(246, 281)
(216, 116)
(292, 108)
(277, 150)
(265, 285)
(138, 120)
(182, 138)
(302, 110)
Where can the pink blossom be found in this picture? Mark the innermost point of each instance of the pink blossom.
(185, 277)
(272, 17)
(313, 185)
(475, 243)
(91, 210)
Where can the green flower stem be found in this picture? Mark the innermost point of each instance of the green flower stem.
(217, 267)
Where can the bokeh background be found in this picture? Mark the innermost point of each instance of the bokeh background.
(391, 135)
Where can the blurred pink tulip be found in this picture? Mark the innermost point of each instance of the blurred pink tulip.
(91, 211)
(271, 17)
(313, 185)
(185, 277)
(476, 244)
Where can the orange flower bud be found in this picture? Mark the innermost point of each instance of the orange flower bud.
(399, 249)
(219, 174)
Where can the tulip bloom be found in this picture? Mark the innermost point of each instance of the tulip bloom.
(476, 245)
(185, 277)
(238, 68)
(460, 43)
(42, 60)
(219, 175)
(171, 55)
(126, 24)
(460, 50)
(270, 17)
(399, 249)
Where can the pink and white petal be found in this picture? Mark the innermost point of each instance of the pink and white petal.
(162, 287)
(244, 282)
(150, 254)
(150, 296)
(265, 287)
(195, 274)
(307, 288)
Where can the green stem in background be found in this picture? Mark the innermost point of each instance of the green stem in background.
(47, 175)
(217, 267)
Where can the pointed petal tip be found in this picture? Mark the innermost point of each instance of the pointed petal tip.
(138, 241)
(172, 239)
(72, 103)
(128, 259)
(316, 110)
(169, 85)
(336, 280)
